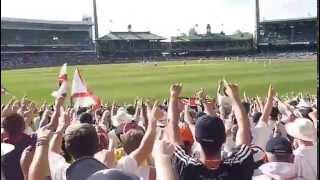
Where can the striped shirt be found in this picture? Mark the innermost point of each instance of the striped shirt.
(239, 165)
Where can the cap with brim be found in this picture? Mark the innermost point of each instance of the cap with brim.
(302, 128)
(6, 148)
(209, 129)
(83, 168)
(278, 145)
(112, 174)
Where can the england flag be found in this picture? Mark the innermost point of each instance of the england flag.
(80, 95)
(63, 74)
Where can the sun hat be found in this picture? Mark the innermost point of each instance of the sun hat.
(121, 117)
(301, 128)
(6, 148)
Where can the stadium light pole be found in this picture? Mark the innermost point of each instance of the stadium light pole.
(257, 38)
(96, 32)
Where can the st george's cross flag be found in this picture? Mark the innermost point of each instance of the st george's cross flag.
(80, 95)
(62, 91)
(63, 74)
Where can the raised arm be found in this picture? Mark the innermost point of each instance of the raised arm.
(145, 148)
(188, 119)
(268, 106)
(55, 116)
(243, 134)
(40, 164)
(173, 115)
(208, 106)
(56, 141)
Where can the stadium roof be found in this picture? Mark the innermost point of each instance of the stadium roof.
(38, 21)
(212, 37)
(114, 36)
(290, 20)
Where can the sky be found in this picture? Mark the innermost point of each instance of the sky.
(162, 17)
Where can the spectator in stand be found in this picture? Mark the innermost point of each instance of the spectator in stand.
(305, 142)
(13, 125)
(210, 134)
(280, 161)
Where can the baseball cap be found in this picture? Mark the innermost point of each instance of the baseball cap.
(112, 174)
(209, 129)
(82, 168)
(278, 145)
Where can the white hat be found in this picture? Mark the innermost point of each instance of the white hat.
(303, 104)
(302, 128)
(121, 117)
(6, 148)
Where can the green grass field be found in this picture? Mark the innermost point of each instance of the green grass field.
(124, 82)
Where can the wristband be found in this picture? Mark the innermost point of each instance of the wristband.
(42, 142)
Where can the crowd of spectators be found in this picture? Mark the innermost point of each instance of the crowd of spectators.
(34, 60)
(227, 137)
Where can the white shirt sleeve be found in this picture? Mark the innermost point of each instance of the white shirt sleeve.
(58, 166)
(261, 134)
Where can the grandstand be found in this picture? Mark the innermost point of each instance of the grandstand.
(211, 43)
(288, 34)
(28, 41)
(130, 44)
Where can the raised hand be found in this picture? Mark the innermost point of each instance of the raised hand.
(232, 90)
(175, 90)
(201, 94)
(7, 109)
(271, 92)
(64, 120)
(155, 114)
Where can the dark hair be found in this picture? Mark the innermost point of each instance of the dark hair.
(256, 116)
(274, 113)
(131, 110)
(81, 140)
(86, 118)
(81, 110)
(13, 124)
(305, 111)
(131, 140)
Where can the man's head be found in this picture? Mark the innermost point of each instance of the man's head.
(274, 113)
(81, 140)
(86, 118)
(131, 140)
(256, 116)
(130, 109)
(13, 124)
(279, 149)
(210, 133)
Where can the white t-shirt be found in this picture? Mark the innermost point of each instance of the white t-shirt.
(130, 165)
(58, 166)
(261, 133)
(305, 160)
